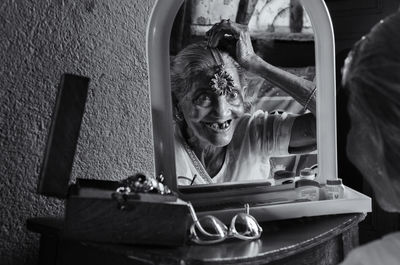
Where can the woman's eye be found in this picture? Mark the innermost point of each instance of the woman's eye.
(234, 95)
(203, 100)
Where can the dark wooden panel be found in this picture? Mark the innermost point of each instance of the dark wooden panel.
(63, 136)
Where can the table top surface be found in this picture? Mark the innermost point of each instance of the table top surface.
(279, 239)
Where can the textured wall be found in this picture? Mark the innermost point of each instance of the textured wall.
(40, 40)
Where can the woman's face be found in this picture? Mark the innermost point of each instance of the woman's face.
(212, 117)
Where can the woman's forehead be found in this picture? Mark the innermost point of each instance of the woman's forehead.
(203, 78)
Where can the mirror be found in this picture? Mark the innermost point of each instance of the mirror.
(159, 33)
(244, 136)
(224, 200)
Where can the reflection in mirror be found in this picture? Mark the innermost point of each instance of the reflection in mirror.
(243, 92)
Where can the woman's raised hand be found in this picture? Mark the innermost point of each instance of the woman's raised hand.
(235, 38)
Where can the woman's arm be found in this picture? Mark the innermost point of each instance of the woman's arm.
(303, 133)
(302, 90)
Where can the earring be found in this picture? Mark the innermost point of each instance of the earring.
(179, 116)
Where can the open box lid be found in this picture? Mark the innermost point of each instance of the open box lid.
(63, 136)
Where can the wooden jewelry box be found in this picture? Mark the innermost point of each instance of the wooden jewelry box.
(96, 210)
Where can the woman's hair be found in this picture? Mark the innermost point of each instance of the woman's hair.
(373, 83)
(194, 60)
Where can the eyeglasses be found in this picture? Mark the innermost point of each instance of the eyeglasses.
(209, 229)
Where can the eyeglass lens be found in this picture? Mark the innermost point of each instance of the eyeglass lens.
(208, 229)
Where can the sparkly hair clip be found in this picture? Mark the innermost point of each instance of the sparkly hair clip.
(221, 82)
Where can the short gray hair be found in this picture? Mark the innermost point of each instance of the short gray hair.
(196, 59)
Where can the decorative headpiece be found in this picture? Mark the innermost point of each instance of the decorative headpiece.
(222, 82)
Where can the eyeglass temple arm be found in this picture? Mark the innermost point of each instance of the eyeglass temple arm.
(196, 221)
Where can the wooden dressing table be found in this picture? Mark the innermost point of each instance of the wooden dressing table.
(313, 240)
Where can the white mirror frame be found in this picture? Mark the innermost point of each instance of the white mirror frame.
(158, 37)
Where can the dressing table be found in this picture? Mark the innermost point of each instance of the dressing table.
(311, 240)
(298, 232)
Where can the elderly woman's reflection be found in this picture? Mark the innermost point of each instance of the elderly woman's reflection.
(217, 138)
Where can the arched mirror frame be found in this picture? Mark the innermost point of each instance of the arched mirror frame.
(158, 37)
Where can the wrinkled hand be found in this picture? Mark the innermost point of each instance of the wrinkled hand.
(234, 38)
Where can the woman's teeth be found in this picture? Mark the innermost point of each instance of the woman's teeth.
(219, 126)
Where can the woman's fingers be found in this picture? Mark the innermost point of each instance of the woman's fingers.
(215, 34)
(215, 38)
(219, 30)
(233, 38)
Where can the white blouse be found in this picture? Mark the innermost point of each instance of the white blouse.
(258, 136)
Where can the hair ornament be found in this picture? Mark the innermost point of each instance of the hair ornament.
(221, 82)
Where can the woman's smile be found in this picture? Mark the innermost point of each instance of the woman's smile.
(219, 127)
(217, 132)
